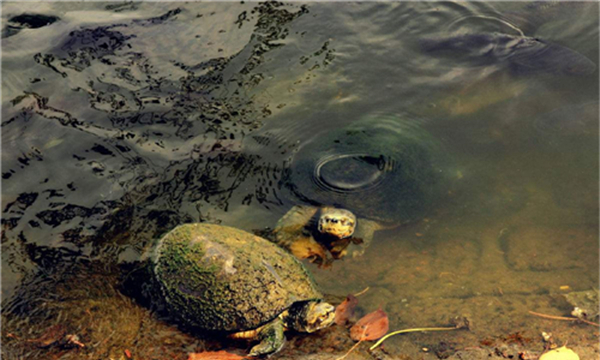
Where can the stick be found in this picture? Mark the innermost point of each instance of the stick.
(355, 345)
(408, 331)
(563, 318)
(349, 351)
(589, 322)
(552, 316)
(362, 292)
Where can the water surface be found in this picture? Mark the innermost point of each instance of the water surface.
(122, 120)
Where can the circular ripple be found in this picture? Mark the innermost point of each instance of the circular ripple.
(384, 168)
(352, 172)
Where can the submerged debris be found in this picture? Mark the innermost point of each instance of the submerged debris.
(51, 336)
(459, 322)
(215, 355)
(56, 335)
(370, 327)
(345, 311)
(586, 304)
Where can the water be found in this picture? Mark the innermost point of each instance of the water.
(121, 120)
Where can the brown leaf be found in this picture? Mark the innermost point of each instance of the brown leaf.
(370, 327)
(215, 355)
(345, 310)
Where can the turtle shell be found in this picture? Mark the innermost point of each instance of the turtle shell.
(224, 279)
(383, 169)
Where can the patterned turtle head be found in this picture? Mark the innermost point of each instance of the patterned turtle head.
(310, 316)
(337, 222)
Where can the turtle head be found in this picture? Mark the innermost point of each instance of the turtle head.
(310, 316)
(337, 222)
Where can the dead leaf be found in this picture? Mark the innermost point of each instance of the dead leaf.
(345, 310)
(370, 327)
(215, 355)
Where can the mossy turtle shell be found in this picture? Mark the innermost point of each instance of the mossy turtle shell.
(382, 168)
(224, 279)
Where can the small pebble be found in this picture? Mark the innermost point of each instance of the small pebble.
(546, 336)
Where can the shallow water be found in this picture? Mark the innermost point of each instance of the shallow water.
(120, 121)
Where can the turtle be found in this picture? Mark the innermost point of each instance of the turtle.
(373, 174)
(519, 53)
(225, 280)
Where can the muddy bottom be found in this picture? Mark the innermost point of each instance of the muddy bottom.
(422, 275)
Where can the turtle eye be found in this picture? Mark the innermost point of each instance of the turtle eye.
(334, 221)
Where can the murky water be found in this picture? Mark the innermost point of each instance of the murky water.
(122, 120)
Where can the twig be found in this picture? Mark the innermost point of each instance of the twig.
(105, 339)
(355, 345)
(563, 318)
(349, 351)
(362, 292)
(552, 316)
(589, 322)
(409, 331)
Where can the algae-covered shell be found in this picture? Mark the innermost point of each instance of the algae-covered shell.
(224, 279)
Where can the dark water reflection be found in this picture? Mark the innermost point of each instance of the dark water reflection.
(121, 120)
(128, 145)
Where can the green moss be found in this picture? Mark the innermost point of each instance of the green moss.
(249, 285)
